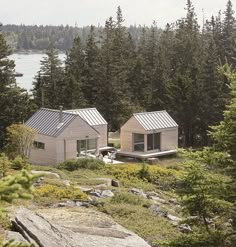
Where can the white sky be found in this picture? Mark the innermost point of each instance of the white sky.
(87, 12)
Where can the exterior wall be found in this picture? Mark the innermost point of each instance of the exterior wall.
(102, 140)
(66, 146)
(45, 156)
(169, 139)
(126, 134)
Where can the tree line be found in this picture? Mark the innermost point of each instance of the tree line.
(176, 69)
(38, 38)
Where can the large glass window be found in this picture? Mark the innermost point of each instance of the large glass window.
(153, 141)
(138, 140)
(86, 145)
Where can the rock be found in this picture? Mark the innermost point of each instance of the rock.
(173, 218)
(83, 204)
(18, 238)
(70, 203)
(96, 193)
(66, 182)
(85, 190)
(138, 192)
(115, 183)
(158, 211)
(43, 232)
(46, 173)
(60, 204)
(158, 199)
(152, 193)
(107, 193)
(185, 228)
(77, 227)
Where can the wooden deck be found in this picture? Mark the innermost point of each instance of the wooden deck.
(146, 155)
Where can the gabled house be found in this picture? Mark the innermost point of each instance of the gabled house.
(149, 134)
(63, 135)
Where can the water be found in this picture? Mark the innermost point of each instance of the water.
(28, 65)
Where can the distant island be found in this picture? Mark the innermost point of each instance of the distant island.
(36, 39)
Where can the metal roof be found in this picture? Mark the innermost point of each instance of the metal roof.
(47, 121)
(155, 120)
(90, 115)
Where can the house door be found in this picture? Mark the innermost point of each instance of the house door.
(153, 141)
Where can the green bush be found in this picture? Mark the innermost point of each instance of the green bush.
(129, 198)
(5, 164)
(52, 191)
(165, 178)
(84, 163)
(18, 163)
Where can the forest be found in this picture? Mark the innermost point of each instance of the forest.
(179, 69)
(186, 69)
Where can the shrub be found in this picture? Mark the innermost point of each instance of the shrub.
(84, 163)
(4, 165)
(18, 163)
(164, 177)
(4, 220)
(129, 198)
(49, 190)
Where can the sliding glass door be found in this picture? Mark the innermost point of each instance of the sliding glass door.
(138, 142)
(83, 146)
(153, 141)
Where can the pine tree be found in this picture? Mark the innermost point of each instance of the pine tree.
(91, 84)
(229, 34)
(74, 76)
(185, 86)
(15, 103)
(49, 82)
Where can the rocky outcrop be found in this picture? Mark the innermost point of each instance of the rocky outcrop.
(70, 227)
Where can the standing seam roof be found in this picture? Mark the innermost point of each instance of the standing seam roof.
(155, 120)
(90, 115)
(47, 122)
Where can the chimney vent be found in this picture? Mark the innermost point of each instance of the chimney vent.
(60, 114)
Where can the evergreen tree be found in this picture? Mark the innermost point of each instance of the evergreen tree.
(91, 83)
(185, 93)
(116, 63)
(15, 104)
(49, 82)
(74, 76)
(229, 34)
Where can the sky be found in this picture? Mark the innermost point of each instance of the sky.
(95, 12)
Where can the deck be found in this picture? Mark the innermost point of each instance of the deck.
(146, 155)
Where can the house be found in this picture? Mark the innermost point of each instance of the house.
(62, 135)
(149, 134)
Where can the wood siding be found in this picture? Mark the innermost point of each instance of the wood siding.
(45, 156)
(64, 146)
(169, 137)
(126, 134)
(102, 140)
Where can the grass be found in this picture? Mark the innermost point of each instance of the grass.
(129, 210)
(141, 221)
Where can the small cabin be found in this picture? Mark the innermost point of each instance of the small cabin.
(149, 134)
(63, 135)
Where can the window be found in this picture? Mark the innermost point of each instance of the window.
(39, 145)
(153, 141)
(86, 145)
(138, 140)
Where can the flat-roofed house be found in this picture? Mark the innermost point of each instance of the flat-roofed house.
(63, 135)
(149, 134)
